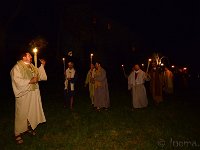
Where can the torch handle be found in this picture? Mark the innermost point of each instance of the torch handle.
(125, 75)
(64, 66)
(35, 59)
(91, 60)
(147, 67)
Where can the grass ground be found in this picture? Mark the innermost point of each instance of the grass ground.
(174, 124)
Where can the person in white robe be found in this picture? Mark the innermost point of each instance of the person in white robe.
(136, 81)
(28, 106)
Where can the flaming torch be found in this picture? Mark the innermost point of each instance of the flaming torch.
(35, 50)
(91, 55)
(124, 72)
(149, 61)
(63, 64)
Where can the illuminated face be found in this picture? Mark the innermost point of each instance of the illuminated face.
(136, 67)
(27, 58)
(97, 65)
(91, 66)
(70, 65)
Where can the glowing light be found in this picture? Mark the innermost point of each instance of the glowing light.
(35, 50)
(173, 66)
(162, 64)
(149, 60)
(184, 68)
(91, 55)
(142, 64)
(63, 64)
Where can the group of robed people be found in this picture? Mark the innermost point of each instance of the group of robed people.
(161, 82)
(28, 105)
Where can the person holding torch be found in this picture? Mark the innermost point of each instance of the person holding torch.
(28, 105)
(90, 80)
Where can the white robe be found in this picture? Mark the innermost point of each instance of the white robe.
(69, 73)
(139, 97)
(28, 105)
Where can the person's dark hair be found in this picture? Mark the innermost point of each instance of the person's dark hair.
(23, 50)
(99, 62)
(70, 62)
(92, 63)
(136, 64)
(22, 54)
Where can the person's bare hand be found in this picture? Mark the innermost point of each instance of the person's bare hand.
(42, 61)
(34, 80)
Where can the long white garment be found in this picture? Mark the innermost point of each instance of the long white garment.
(136, 85)
(28, 105)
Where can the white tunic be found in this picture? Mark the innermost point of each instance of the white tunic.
(136, 85)
(28, 105)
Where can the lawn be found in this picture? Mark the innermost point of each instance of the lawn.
(174, 124)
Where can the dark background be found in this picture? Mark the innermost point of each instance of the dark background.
(136, 30)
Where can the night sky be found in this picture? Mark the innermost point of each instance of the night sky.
(167, 27)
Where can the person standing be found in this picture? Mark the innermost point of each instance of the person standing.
(28, 106)
(168, 82)
(136, 81)
(70, 79)
(90, 81)
(101, 92)
(156, 83)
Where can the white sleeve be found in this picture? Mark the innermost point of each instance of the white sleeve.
(130, 81)
(42, 73)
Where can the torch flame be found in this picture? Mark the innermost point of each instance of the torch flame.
(35, 50)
